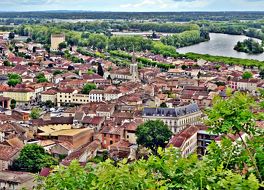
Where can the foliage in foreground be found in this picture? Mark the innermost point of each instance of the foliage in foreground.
(229, 166)
(166, 171)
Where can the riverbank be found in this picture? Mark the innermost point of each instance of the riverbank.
(222, 45)
(226, 60)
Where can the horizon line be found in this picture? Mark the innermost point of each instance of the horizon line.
(79, 11)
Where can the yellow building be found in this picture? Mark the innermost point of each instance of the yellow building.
(80, 98)
(49, 95)
(64, 96)
(22, 96)
(56, 39)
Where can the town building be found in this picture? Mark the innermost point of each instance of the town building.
(185, 141)
(7, 155)
(22, 96)
(250, 85)
(126, 74)
(176, 118)
(64, 96)
(56, 39)
(49, 95)
(96, 96)
(10, 180)
(5, 102)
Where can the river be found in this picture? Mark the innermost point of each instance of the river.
(222, 45)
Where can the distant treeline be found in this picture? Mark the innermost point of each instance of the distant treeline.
(167, 16)
(226, 60)
(96, 36)
(253, 29)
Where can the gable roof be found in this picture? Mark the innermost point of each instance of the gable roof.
(7, 152)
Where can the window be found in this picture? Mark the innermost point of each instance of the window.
(111, 142)
(111, 136)
(127, 136)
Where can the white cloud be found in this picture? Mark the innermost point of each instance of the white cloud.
(169, 5)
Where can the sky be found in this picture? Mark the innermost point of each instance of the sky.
(133, 5)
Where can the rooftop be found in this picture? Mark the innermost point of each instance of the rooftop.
(171, 112)
(15, 177)
(66, 132)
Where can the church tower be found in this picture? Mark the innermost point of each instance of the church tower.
(134, 69)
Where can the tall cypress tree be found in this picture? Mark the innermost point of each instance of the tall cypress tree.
(100, 70)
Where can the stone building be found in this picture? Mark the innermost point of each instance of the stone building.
(56, 39)
(176, 118)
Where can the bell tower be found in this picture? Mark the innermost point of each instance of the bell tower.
(134, 68)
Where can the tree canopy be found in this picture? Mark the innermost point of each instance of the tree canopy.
(14, 79)
(249, 46)
(41, 78)
(247, 75)
(88, 87)
(33, 158)
(153, 134)
(35, 113)
(235, 116)
(167, 171)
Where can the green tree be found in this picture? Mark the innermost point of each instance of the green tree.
(35, 113)
(247, 75)
(49, 104)
(11, 35)
(14, 79)
(90, 72)
(70, 178)
(13, 104)
(98, 41)
(100, 70)
(33, 158)
(62, 45)
(249, 46)
(7, 63)
(184, 67)
(29, 40)
(153, 134)
(41, 78)
(88, 87)
(13, 82)
(167, 171)
(57, 72)
(163, 105)
(233, 116)
(261, 74)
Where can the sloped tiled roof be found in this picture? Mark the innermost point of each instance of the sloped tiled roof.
(7, 152)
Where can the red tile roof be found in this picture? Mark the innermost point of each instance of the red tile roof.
(179, 139)
(7, 152)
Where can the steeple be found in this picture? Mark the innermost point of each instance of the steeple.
(134, 56)
(134, 67)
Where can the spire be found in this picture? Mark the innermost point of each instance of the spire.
(133, 56)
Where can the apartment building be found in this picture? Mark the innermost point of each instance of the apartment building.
(64, 96)
(22, 96)
(176, 118)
